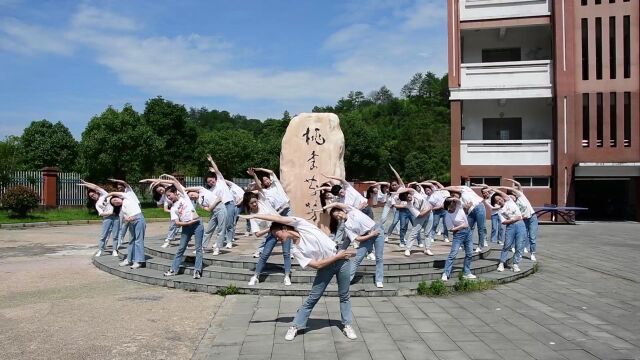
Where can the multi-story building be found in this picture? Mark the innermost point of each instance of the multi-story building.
(546, 92)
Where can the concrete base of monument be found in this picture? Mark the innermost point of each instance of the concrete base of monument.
(236, 266)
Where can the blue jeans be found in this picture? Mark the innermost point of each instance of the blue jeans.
(269, 243)
(405, 218)
(497, 230)
(124, 229)
(414, 236)
(173, 230)
(341, 269)
(366, 247)
(394, 222)
(437, 215)
(110, 224)
(230, 228)
(386, 210)
(135, 250)
(478, 216)
(218, 220)
(460, 238)
(515, 233)
(532, 231)
(187, 231)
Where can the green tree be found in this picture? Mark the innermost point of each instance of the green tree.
(118, 144)
(45, 144)
(9, 158)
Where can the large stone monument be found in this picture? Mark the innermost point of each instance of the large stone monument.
(313, 145)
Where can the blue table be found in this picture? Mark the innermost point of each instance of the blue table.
(567, 213)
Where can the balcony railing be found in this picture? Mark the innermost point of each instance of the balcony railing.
(506, 152)
(501, 9)
(504, 80)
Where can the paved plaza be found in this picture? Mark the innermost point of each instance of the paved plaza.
(584, 303)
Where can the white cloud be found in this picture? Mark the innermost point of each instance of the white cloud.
(91, 17)
(19, 37)
(426, 14)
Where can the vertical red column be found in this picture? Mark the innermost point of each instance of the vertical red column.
(50, 187)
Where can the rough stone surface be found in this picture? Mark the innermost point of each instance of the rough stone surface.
(312, 145)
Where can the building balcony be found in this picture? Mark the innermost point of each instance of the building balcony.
(506, 152)
(504, 80)
(503, 9)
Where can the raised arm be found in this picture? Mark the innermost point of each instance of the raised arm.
(501, 193)
(117, 194)
(119, 182)
(90, 186)
(515, 184)
(270, 217)
(436, 183)
(341, 180)
(268, 171)
(400, 182)
(171, 180)
(252, 172)
(338, 205)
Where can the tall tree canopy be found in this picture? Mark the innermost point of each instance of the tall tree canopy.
(45, 144)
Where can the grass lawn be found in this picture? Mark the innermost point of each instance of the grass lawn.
(75, 214)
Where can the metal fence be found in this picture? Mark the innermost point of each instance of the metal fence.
(69, 193)
(30, 179)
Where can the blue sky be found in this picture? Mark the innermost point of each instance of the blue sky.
(68, 60)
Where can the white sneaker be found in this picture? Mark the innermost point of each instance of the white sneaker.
(256, 254)
(407, 252)
(386, 239)
(485, 244)
(371, 256)
(421, 245)
(469, 276)
(194, 251)
(287, 281)
(98, 253)
(428, 252)
(197, 275)
(439, 233)
(114, 253)
(165, 245)
(291, 333)
(513, 250)
(216, 251)
(444, 277)
(254, 280)
(526, 251)
(501, 267)
(229, 245)
(135, 265)
(447, 240)
(379, 284)
(401, 245)
(478, 250)
(169, 273)
(516, 268)
(349, 332)
(125, 262)
(500, 242)
(533, 257)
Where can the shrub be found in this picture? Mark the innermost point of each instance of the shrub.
(436, 288)
(229, 290)
(20, 200)
(465, 285)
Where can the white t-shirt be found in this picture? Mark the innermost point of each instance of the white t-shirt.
(131, 194)
(509, 210)
(524, 206)
(391, 200)
(206, 197)
(313, 243)
(352, 197)
(183, 210)
(468, 196)
(130, 206)
(357, 223)
(238, 193)
(436, 199)
(264, 207)
(488, 203)
(103, 206)
(221, 189)
(276, 195)
(419, 204)
(457, 218)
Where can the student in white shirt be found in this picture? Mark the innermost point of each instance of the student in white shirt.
(313, 248)
(361, 229)
(347, 194)
(158, 193)
(515, 231)
(420, 210)
(211, 200)
(389, 207)
(528, 216)
(436, 198)
(476, 212)
(456, 221)
(257, 203)
(272, 189)
(497, 229)
(131, 214)
(216, 180)
(403, 214)
(126, 189)
(110, 216)
(186, 217)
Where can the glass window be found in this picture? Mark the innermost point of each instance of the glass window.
(585, 49)
(612, 47)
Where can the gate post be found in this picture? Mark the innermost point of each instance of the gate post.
(50, 187)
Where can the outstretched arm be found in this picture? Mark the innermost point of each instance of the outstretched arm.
(397, 176)
(436, 183)
(515, 184)
(90, 186)
(268, 171)
(270, 217)
(338, 205)
(252, 172)
(341, 180)
(120, 182)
